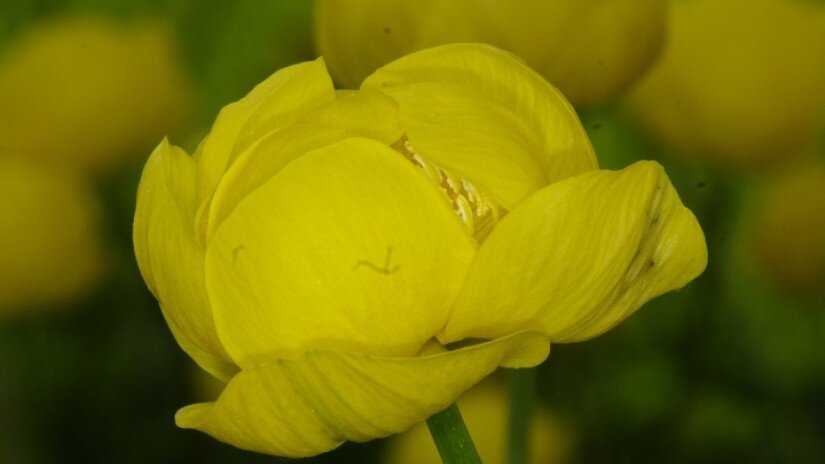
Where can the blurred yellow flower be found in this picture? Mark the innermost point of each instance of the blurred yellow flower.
(320, 250)
(788, 232)
(90, 92)
(484, 409)
(590, 49)
(741, 81)
(50, 245)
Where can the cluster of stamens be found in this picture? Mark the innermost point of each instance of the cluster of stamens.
(478, 211)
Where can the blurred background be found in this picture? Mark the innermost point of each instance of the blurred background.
(729, 98)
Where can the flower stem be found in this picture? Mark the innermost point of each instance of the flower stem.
(452, 438)
(522, 386)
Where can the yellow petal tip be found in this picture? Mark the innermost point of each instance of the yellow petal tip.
(192, 416)
(531, 350)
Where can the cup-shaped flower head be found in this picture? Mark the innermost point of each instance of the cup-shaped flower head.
(322, 251)
(88, 92)
(51, 249)
(740, 83)
(591, 50)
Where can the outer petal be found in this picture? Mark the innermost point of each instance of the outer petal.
(579, 256)
(349, 247)
(312, 404)
(170, 260)
(505, 80)
(272, 104)
(473, 137)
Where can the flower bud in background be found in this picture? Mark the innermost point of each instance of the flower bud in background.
(51, 248)
(89, 92)
(321, 250)
(741, 82)
(485, 411)
(590, 49)
(787, 234)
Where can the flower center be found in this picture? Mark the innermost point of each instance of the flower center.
(478, 211)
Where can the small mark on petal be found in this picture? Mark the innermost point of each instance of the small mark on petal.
(386, 269)
(236, 251)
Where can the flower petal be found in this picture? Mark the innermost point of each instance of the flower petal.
(274, 103)
(504, 79)
(261, 162)
(473, 137)
(171, 261)
(349, 247)
(312, 404)
(579, 256)
(371, 114)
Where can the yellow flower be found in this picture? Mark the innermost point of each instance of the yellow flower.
(590, 49)
(50, 245)
(484, 409)
(787, 234)
(320, 249)
(89, 92)
(740, 83)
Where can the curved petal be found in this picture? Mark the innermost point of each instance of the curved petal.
(261, 162)
(349, 247)
(504, 79)
(369, 114)
(312, 404)
(171, 261)
(472, 137)
(579, 256)
(279, 100)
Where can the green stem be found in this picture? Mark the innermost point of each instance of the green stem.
(452, 438)
(522, 386)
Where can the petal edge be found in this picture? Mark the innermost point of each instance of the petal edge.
(579, 256)
(307, 406)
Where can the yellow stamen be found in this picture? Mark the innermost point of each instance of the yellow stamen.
(478, 211)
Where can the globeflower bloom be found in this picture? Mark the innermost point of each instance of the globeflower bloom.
(51, 244)
(738, 84)
(591, 50)
(87, 92)
(351, 262)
